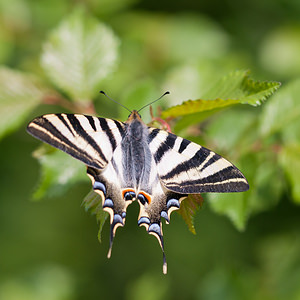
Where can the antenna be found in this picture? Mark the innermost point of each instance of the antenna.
(101, 92)
(166, 93)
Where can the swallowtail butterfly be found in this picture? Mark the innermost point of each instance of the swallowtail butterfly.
(128, 161)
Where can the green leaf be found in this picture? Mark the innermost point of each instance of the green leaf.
(93, 203)
(232, 89)
(59, 172)
(188, 209)
(266, 185)
(19, 94)
(79, 55)
(193, 106)
(289, 159)
(230, 133)
(237, 85)
(282, 110)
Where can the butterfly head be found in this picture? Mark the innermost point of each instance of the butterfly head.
(134, 116)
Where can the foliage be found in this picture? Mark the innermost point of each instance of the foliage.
(135, 56)
(232, 89)
(20, 93)
(81, 52)
(78, 55)
(93, 203)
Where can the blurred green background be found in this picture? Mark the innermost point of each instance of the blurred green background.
(49, 248)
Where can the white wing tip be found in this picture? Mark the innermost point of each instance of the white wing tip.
(165, 268)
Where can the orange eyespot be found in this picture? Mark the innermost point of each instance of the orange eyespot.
(144, 197)
(128, 194)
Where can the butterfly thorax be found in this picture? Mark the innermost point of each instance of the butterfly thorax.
(136, 153)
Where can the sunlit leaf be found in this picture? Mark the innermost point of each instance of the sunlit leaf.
(239, 86)
(19, 94)
(290, 160)
(93, 203)
(79, 54)
(232, 89)
(193, 106)
(188, 209)
(58, 172)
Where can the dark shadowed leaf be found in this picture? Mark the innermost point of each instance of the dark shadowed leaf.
(289, 159)
(93, 203)
(188, 209)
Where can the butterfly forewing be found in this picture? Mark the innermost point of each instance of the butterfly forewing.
(89, 139)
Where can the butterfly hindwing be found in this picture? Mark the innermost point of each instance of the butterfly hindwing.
(185, 167)
(91, 140)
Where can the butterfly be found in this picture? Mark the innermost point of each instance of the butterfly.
(129, 161)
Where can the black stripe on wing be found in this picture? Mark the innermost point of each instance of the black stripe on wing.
(92, 122)
(164, 147)
(105, 127)
(184, 143)
(63, 120)
(153, 133)
(195, 161)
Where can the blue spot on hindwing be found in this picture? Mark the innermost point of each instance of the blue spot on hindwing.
(155, 228)
(164, 215)
(108, 203)
(173, 202)
(99, 186)
(143, 220)
(118, 219)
